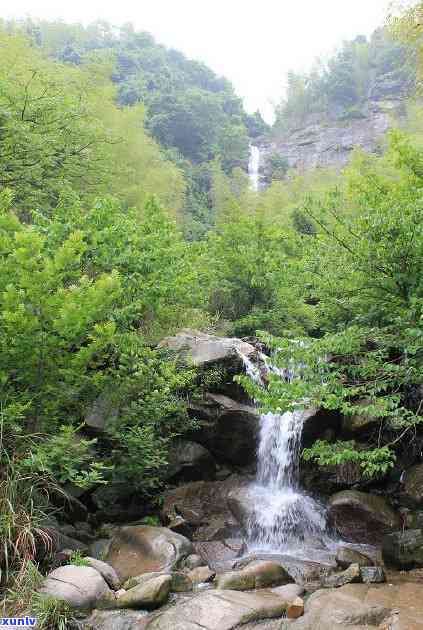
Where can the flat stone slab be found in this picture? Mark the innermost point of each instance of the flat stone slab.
(223, 610)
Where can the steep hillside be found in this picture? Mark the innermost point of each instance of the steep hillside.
(348, 103)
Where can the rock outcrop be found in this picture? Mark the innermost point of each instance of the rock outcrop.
(201, 349)
(362, 517)
(328, 140)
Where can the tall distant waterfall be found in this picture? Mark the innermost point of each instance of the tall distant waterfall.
(253, 167)
(283, 517)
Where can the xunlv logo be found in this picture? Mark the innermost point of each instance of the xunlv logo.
(18, 621)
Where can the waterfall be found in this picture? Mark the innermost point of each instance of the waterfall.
(283, 518)
(253, 167)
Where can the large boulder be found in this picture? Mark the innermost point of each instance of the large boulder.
(189, 461)
(412, 493)
(204, 507)
(257, 574)
(114, 619)
(80, 586)
(404, 549)
(140, 549)
(229, 429)
(219, 610)
(361, 517)
(201, 349)
(339, 609)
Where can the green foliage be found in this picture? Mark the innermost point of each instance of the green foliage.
(338, 88)
(372, 462)
(187, 108)
(66, 457)
(22, 599)
(78, 559)
(80, 294)
(61, 130)
(362, 271)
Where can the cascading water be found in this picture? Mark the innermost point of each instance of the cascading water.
(283, 518)
(253, 167)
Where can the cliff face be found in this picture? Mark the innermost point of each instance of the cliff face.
(327, 140)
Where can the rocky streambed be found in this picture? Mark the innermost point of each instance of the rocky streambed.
(197, 569)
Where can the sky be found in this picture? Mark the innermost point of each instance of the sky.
(252, 43)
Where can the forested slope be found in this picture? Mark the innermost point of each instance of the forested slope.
(126, 215)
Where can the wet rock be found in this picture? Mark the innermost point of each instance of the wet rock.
(339, 609)
(201, 575)
(352, 574)
(361, 517)
(201, 349)
(346, 556)
(219, 610)
(141, 549)
(150, 595)
(257, 574)
(370, 575)
(80, 586)
(107, 571)
(203, 506)
(412, 493)
(189, 461)
(220, 554)
(404, 549)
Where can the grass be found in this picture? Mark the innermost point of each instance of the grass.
(22, 599)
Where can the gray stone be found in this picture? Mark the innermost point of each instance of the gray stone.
(114, 620)
(404, 549)
(339, 609)
(107, 571)
(103, 412)
(361, 517)
(352, 574)
(189, 461)
(257, 574)
(219, 610)
(412, 493)
(141, 549)
(152, 594)
(346, 556)
(80, 586)
(202, 349)
(203, 506)
(372, 575)
(288, 592)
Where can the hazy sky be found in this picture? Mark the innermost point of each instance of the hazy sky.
(253, 43)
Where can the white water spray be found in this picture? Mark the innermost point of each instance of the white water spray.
(283, 518)
(253, 167)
